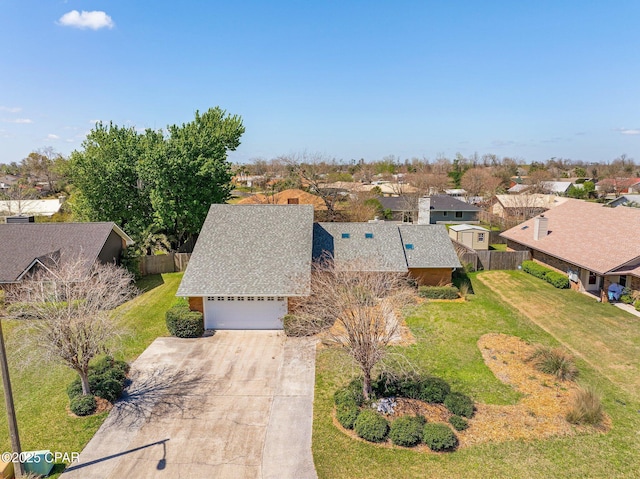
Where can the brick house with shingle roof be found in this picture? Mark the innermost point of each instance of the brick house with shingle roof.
(595, 245)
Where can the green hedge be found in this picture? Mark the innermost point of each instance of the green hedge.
(459, 404)
(371, 426)
(407, 431)
(552, 277)
(439, 437)
(184, 323)
(106, 380)
(438, 292)
(83, 405)
(347, 415)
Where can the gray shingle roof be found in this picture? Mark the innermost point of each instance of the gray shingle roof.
(251, 250)
(432, 247)
(383, 251)
(22, 243)
(438, 203)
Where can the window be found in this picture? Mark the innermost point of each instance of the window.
(211, 298)
(480, 237)
(230, 298)
(444, 213)
(592, 277)
(409, 246)
(251, 298)
(345, 235)
(368, 235)
(293, 201)
(260, 298)
(458, 214)
(240, 298)
(220, 298)
(623, 281)
(280, 298)
(270, 298)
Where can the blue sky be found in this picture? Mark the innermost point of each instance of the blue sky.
(347, 79)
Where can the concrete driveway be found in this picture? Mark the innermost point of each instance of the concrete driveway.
(235, 405)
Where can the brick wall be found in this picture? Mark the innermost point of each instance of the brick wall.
(196, 304)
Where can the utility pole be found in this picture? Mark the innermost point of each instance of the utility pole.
(11, 411)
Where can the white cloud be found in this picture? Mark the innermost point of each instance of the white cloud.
(94, 20)
(10, 109)
(51, 136)
(18, 120)
(629, 131)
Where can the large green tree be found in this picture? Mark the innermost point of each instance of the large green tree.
(164, 181)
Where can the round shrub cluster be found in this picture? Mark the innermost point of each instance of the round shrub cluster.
(407, 431)
(434, 390)
(106, 380)
(184, 323)
(347, 415)
(371, 426)
(459, 423)
(83, 405)
(459, 404)
(350, 394)
(439, 437)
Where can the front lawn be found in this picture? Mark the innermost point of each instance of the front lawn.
(40, 389)
(446, 334)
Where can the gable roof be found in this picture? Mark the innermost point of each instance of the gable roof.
(466, 227)
(530, 200)
(24, 244)
(448, 203)
(251, 250)
(623, 200)
(586, 234)
(34, 207)
(431, 247)
(383, 251)
(556, 186)
(282, 198)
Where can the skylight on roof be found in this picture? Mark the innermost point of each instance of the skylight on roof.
(368, 235)
(409, 246)
(345, 235)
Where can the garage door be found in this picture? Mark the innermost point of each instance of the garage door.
(244, 312)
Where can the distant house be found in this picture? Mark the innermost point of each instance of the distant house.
(473, 236)
(455, 192)
(524, 206)
(286, 197)
(625, 200)
(445, 209)
(618, 186)
(25, 246)
(251, 261)
(7, 181)
(30, 207)
(594, 245)
(556, 187)
(518, 188)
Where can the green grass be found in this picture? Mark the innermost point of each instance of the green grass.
(40, 390)
(446, 336)
(498, 247)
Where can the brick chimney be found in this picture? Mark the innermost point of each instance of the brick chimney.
(424, 210)
(540, 227)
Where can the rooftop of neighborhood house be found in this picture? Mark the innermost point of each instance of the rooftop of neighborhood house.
(36, 207)
(252, 250)
(283, 197)
(21, 244)
(620, 183)
(430, 247)
(527, 200)
(466, 227)
(438, 203)
(586, 234)
(624, 199)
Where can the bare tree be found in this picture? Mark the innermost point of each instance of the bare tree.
(359, 307)
(70, 304)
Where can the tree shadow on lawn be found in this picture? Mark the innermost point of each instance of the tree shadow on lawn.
(147, 283)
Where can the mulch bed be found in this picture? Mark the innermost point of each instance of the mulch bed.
(539, 414)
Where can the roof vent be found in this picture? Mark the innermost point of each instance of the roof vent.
(21, 219)
(368, 235)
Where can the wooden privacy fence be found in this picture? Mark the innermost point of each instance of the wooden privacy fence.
(164, 263)
(491, 259)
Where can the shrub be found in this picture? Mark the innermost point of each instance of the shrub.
(184, 323)
(586, 408)
(439, 437)
(626, 299)
(83, 405)
(74, 389)
(438, 292)
(371, 426)
(557, 280)
(459, 404)
(407, 431)
(459, 423)
(298, 326)
(108, 389)
(347, 415)
(349, 394)
(434, 390)
(535, 269)
(638, 305)
(554, 361)
(106, 379)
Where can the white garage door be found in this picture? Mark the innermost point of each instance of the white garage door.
(244, 312)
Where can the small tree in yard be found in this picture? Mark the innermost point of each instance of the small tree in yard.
(359, 307)
(70, 303)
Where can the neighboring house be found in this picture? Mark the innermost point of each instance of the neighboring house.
(250, 261)
(7, 181)
(618, 186)
(25, 246)
(594, 245)
(446, 210)
(524, 206)
(456, 192)
(473, 236)
(518, 188)
(403, 208)
(625, 200)
(31, 207)
(286, 197)
(556, 187)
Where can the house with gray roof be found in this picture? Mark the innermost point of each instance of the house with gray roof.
(435, 209)
(251, 260)
(248, 261)
(28, 246)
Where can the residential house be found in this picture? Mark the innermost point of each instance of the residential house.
(473, 236)
(286, 197)
(25, 246)
(445, 209)
(31, 207)
(594, 245)
(625, 200)
(251, 261)
(522, 207)
(7, 181)
(556, 187)
(618, 186)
